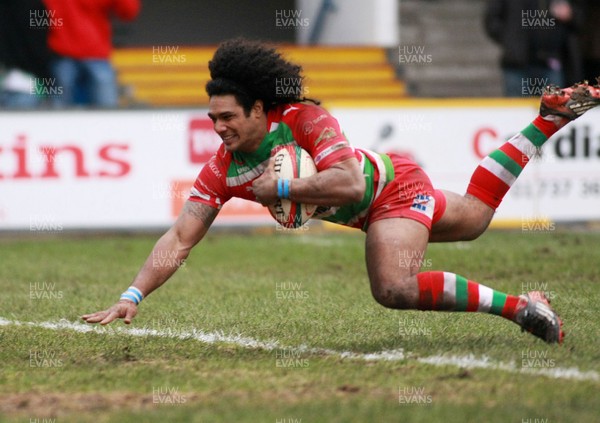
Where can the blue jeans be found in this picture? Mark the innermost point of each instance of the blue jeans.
(18, 100)
(530, 80)
(90, 82)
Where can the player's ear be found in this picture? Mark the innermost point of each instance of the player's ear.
(258, 108)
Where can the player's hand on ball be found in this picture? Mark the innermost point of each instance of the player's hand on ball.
(125, 310)
(265, 186)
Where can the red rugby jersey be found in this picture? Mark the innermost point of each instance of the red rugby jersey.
(230, 174)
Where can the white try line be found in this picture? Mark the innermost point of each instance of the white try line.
(468, 362)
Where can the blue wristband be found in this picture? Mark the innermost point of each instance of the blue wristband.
(280, 188)
(133, 294)
(286, 189)
(283, 188)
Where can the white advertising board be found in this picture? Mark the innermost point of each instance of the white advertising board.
(105, 169)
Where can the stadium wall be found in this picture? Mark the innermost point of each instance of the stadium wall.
(207, 22)
(351, 22)
(133, 169)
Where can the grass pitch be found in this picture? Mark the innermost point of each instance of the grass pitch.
(305, 300)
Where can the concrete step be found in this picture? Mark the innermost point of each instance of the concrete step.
(442, 56)
(460, 60)
(453, 73)
(443, 89)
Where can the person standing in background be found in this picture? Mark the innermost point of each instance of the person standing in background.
(83, 45)
(590, 40)
(539, 43)
(24, 53)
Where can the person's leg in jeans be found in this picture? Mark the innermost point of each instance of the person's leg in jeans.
(66, 72)
(551, 76)
(513, 81)
(102, 83)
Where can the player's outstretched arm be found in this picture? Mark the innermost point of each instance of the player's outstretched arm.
(176, 243)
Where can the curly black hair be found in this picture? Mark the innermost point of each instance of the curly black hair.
(250, 71)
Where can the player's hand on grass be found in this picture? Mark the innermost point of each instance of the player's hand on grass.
(124, 309)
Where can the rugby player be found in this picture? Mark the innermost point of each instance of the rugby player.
(374, 192)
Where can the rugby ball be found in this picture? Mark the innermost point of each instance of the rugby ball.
(291, 162)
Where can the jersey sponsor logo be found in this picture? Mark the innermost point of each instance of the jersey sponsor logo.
(326, 134)
(319, 118)
(212, 166)
(424, 203)
(335, 147)
(308, 128)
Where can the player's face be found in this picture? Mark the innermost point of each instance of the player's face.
(238, 131)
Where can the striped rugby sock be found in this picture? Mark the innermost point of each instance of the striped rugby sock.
(497, 172)
(450, 292)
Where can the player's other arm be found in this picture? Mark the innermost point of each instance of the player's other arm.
(174, 246)
(168, 254)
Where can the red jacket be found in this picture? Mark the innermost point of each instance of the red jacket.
(81, 28)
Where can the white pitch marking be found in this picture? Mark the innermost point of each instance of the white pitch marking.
(472, 362)
(469, 361)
